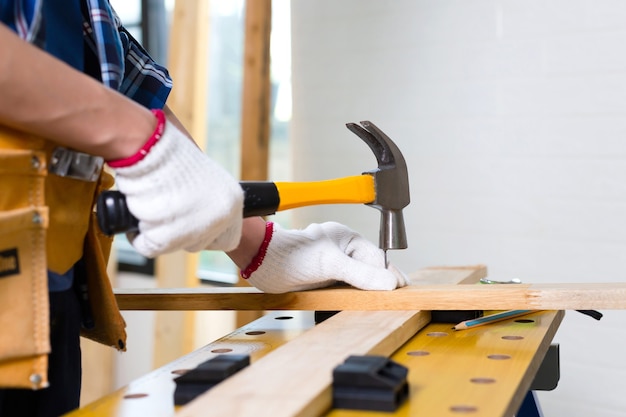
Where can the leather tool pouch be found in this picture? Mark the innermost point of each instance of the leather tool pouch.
(76, 226)
(46, 223)
(24, 312)
(108, 324)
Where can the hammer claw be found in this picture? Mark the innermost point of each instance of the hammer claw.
(374, 140)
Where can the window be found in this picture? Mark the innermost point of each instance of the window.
(224, 118)
(224, 101)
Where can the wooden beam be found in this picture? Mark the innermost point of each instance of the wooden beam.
(255, 103)
(253, 299)
(294, 380)
(426, 297)
(256, 98)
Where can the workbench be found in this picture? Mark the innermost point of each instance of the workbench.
(482, 371)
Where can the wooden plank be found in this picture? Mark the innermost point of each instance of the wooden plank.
(590, 296)
(252, 299)
(295, 379)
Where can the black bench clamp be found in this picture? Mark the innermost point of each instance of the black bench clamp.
(369, 383)
(206, 375)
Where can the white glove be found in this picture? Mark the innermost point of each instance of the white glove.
(319, 256)
(182, 198)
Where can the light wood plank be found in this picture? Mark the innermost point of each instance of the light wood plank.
(591, 296)
(295, 379)
(253, 299)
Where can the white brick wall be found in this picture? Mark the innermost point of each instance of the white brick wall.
(512, 117)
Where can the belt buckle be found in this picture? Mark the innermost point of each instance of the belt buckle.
(73, 164)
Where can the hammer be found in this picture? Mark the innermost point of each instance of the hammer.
(385, 188)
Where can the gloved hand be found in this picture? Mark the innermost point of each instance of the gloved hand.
(319, 256)
(182, 198)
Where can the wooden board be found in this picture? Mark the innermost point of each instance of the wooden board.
(248, 298)
(589, 296)
(256, 97)
(295, 379)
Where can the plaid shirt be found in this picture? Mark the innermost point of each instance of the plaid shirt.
(123, 63)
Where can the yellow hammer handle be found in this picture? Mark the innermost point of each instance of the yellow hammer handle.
(348, 190)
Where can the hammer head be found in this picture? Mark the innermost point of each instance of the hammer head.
(391, 180)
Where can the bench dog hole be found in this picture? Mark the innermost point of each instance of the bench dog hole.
(221, 350)
(418, 353)
(465, 409)
(134, 396)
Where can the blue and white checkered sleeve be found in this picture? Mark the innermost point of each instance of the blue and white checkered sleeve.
(145, 81)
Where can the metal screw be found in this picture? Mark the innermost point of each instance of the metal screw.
(37, 219)
(34, 162)
(36, 379)
(491, 281)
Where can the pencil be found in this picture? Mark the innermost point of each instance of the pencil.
(492, 318)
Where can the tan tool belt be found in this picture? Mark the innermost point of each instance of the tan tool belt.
(47, 222)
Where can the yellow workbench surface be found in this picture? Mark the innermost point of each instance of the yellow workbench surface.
(483, 371)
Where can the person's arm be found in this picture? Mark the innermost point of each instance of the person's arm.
(252, 235)
(314, 257)
(171, 186)
(253, 228)
(278, 260)
(173, 189)
(44, 96)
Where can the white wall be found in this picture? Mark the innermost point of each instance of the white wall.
(512, 117)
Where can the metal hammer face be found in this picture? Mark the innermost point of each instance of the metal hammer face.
(391, 180)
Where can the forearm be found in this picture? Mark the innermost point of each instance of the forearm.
(253, 229)
(43, 96)
(252, 236)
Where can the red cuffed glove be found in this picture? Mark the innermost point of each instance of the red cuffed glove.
(319, 256)
(181, 197)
